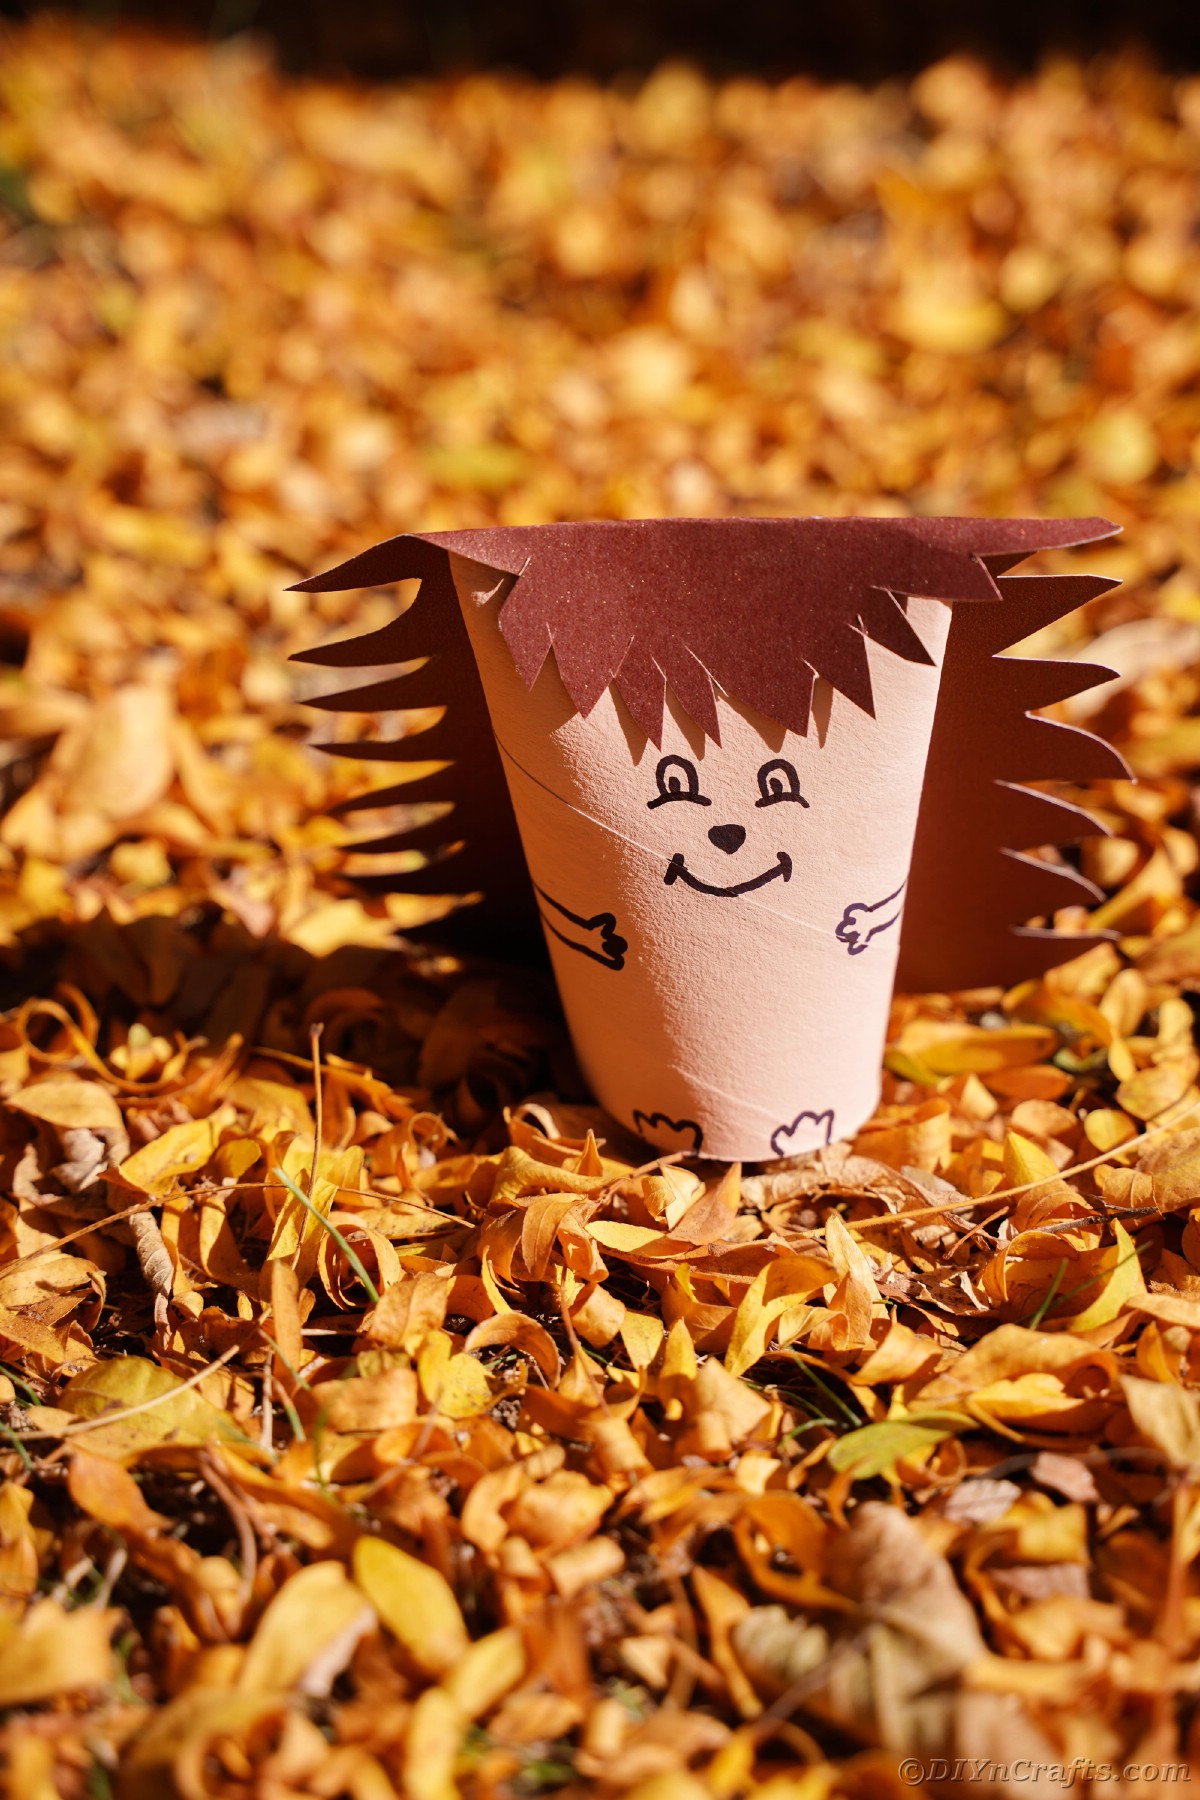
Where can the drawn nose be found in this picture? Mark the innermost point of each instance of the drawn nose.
(728, 837)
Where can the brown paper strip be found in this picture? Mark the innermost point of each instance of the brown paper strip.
(969, 897)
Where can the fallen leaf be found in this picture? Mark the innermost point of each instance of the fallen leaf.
(180, 1150)
(414, 1602)
(147, 1406)
(317, 1609)
(52, 1652)
(876, 1449)
(70, 1102)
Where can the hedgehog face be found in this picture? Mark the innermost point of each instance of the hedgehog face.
(678, 783)
(735, 822)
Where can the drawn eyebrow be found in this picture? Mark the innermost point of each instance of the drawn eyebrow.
(686, 782)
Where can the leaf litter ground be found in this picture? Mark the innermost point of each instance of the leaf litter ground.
(376, 1418)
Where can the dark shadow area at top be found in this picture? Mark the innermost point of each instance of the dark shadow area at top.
(852, 39)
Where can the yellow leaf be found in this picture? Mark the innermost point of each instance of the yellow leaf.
(181, 1150)
(314, 1609)
(1011, 1351)
(273, 1106)
(777, 1288)
(107, 1492)
(486, 1671)
(1153, 1090)
(30, 1769)
(414, 1601)
(299, 1233)
(539, 1225)
(614, 1234)
(455, 1384)
(1171, 1309)
(1120, 1281)
(726, 1410)
(121, 761)
(1025, 1163)
(597, 1317)
(855, 1301)
(1167, 1414)
(724, 1604)
(929, 1049)
(1119, 446)
(916, 1136)
(31, 1335)
(641, 1336)
(373, 1403)
(581, 1568)
(69, 1101)
(52, 1652)
(33, 1284)
(1107, 1128)
(711, 1216)
(435, 1732)
(20, 1541)
(479, 467)
(157, 538)
(902, 1353)
(170, 1412)
(562, 1510)
(943, 322)
(1173, 1165)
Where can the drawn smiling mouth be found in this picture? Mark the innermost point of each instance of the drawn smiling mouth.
(679, 871)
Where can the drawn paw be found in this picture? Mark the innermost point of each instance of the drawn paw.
(657, 1126)
(783, 1138)
(608, 947)
(860, 922)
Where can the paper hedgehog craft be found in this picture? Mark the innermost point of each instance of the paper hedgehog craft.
(747, 774)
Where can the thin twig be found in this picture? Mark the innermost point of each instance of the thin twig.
(268, 1408)
(69, 1237)
(247, 1542)
(967, 1201)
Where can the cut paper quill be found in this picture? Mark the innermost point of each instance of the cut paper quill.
(745, 772)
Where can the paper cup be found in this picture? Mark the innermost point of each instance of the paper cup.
(723, 920)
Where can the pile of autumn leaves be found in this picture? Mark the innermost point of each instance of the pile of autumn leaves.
(429, 1469)
(375, 1419)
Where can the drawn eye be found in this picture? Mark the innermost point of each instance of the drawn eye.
(677, 780)
(777, 780)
